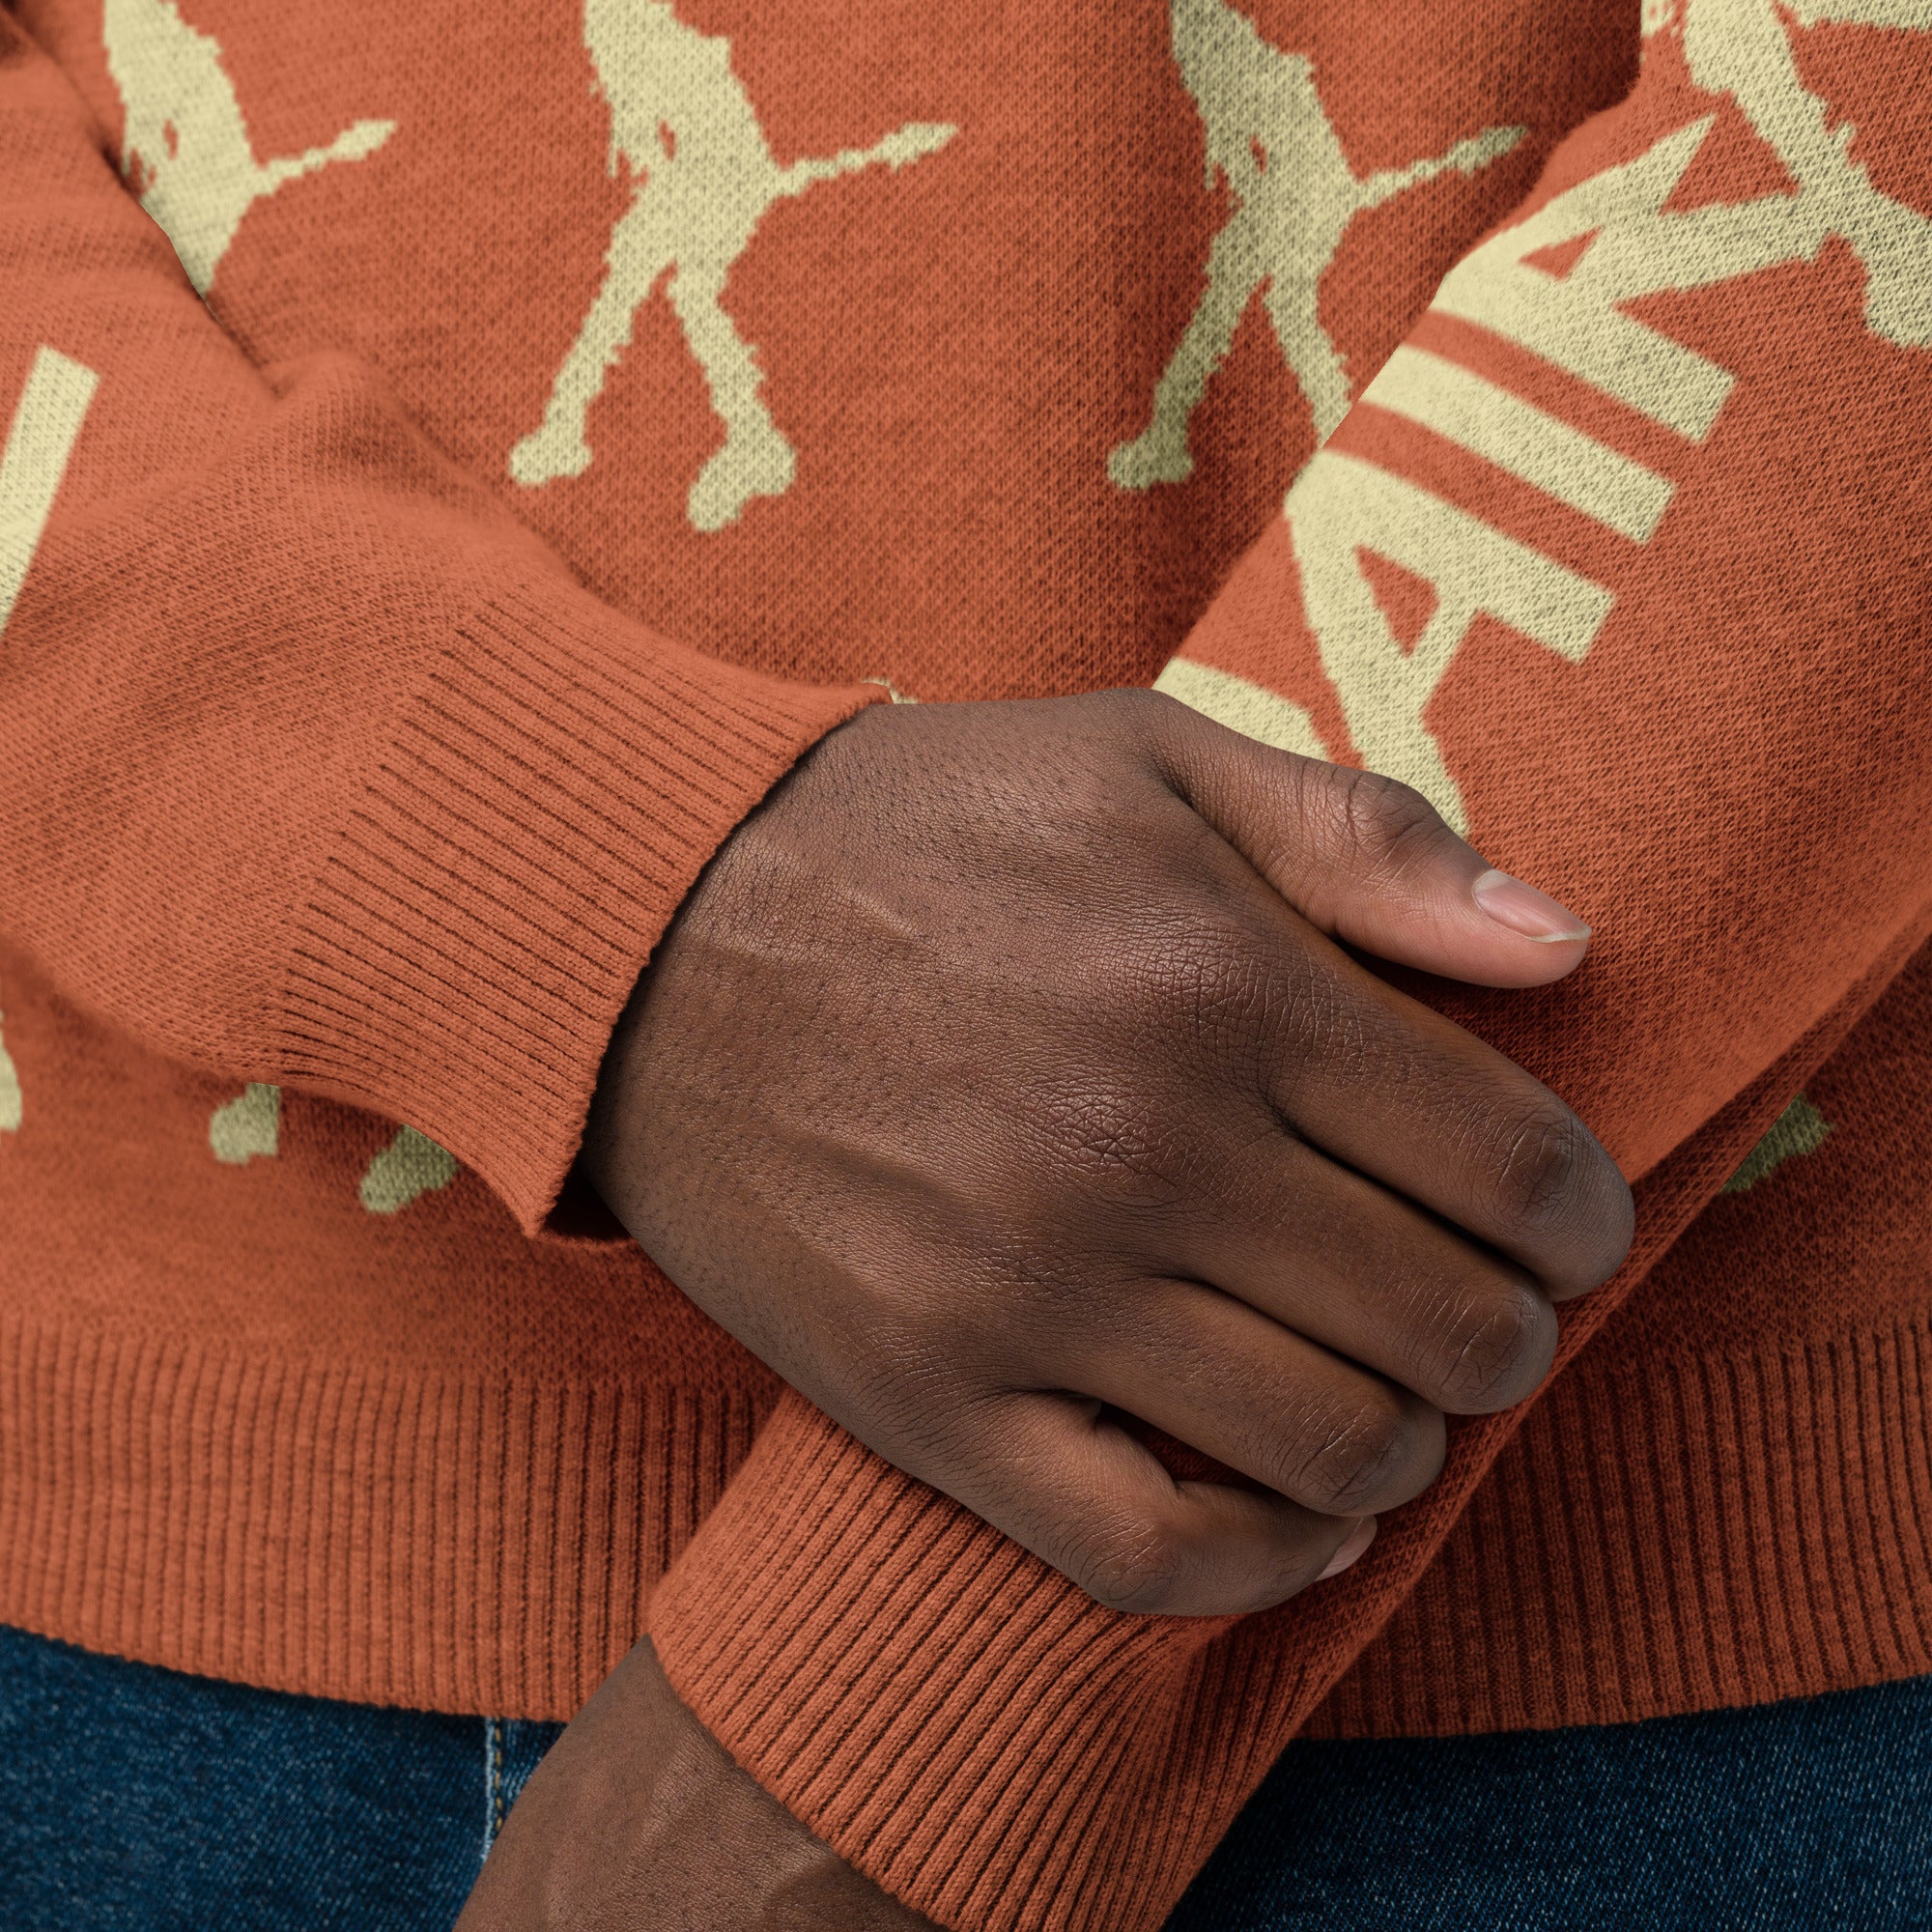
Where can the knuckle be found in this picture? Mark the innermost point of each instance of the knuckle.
(1561, 1200)
(1499, 1347)
(1355, 1459)
(910, 1390)
(1200, 971)
(1542, 1172)
(1607, 1224)
(1137, 1570)
(1141, 715)
(1385, 824)
(1617, 1232)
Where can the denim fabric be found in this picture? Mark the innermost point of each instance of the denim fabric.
(1792, 1817)
(133, 1798)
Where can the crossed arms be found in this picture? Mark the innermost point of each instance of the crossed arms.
(1663, 1055)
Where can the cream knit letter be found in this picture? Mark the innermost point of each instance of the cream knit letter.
(1341, 507)
(10, 1089)
(46, 426)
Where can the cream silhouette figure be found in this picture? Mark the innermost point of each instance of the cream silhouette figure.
(702, 176)
(247, 1127)
(12, 1108)
(1296, 196)
(186, 147)
(1638, 245)
(409, 1165)
(1741, 47)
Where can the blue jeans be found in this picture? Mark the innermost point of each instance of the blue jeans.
(133, 1799)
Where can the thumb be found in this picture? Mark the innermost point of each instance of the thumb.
(1370, 861)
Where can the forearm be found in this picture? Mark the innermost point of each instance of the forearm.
(319, 769)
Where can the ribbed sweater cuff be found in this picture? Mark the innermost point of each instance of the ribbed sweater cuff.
(554, 785)
(943, 1709)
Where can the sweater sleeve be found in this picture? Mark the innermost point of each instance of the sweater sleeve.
(314, 767)
(1624, 558)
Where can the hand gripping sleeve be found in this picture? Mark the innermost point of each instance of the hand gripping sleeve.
(1624, 558)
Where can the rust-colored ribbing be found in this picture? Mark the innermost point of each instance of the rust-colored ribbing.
(454, 1545)
(931, 1810)
(555, 783)
(1729, 1529)
(1015, 1757)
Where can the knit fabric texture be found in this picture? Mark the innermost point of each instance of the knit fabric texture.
(457, 459)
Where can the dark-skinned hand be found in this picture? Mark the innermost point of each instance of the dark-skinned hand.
(1003, 1076)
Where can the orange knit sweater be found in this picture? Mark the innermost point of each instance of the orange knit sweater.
(458, 456)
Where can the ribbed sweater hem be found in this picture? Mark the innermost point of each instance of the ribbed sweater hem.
(472, 1547)
(438, 1544)
(1720, 1530)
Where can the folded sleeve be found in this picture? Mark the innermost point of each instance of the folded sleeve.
(314, 767)
(1625, 559)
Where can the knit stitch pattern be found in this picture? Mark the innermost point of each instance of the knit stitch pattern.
(457, 460)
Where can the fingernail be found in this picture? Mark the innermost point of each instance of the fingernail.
(1526, 911)
(1359, 1538)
